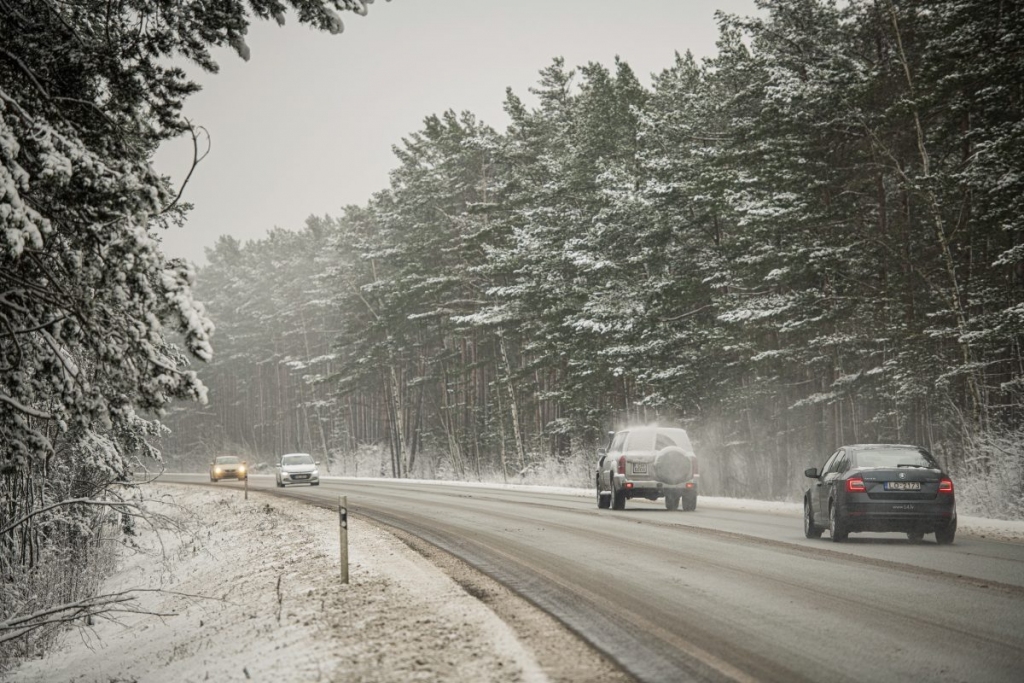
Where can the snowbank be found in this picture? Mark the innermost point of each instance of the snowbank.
(254, 593)
(978, 526)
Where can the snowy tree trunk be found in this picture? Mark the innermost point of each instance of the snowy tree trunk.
(513, 404)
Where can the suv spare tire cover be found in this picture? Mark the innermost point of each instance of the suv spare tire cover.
(672, 465)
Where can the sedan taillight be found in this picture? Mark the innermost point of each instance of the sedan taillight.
(622, 464)
(945, 485)
(855, 485)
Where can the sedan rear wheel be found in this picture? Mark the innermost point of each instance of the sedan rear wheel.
(945, 536)
(836, 525)
(811, 530)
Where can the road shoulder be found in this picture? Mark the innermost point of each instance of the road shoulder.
(252, 592)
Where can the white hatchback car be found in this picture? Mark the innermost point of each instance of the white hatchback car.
(298, 468)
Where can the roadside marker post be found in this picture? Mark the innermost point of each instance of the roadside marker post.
(247, 486)
(343, 531)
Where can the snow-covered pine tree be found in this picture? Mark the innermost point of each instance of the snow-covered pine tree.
(88, 90)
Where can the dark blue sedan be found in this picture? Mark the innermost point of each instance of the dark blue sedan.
(880, 487)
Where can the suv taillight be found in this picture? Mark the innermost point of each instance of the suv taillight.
(855, 485)
(945, 485)
(622, 464)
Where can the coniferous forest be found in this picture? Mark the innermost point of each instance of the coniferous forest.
(96, 323)
(813, 238)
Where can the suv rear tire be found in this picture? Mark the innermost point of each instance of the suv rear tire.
(604, 498)
(672, 501)
(618, 499)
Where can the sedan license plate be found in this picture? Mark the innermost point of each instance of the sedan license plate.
(639, 468)
(902, 486)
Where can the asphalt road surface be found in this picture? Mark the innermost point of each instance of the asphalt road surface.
(721, 594)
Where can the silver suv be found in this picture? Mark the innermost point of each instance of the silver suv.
(647, 462)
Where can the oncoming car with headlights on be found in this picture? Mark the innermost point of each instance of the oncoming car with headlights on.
(880, 487)
(297, 468)
(228, 467)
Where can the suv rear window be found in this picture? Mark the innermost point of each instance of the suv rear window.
(640, 440)
(654, 439)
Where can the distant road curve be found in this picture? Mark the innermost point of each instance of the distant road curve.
(720, 594)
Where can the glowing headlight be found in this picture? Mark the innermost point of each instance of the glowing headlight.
(216, 470)
(241, 468)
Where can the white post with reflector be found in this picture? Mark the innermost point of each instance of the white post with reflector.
(343, 536)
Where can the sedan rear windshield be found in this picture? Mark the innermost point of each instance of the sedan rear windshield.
(297, 460)
(893, 457)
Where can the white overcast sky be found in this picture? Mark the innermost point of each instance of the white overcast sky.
(306, 126)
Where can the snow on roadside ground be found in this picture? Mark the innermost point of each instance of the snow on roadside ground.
(276, 610)
(998, 529)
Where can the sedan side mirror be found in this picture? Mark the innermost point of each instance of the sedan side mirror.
(316, 462)
(811, 472)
